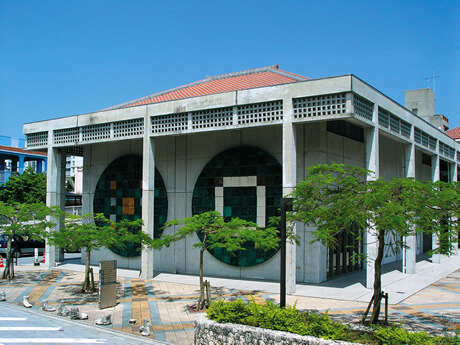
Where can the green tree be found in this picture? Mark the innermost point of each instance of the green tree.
(26, 188)
(22, 220)
(217, 233)
(336, 198)
(438, 213)
(94, 231)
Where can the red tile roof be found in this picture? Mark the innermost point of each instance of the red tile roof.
(248, 79)
(454, 133)
(19, 150)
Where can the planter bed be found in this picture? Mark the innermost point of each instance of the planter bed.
(209, 332)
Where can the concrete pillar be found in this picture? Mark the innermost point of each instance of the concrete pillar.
(315, 148)
(453, 172)
(410, 252)
(179, 208)
(87, 186)
(14, 164)
(21, 164)
(148, 196)
(435, 170)
(372, 163)
(39, 166)
(55, 196)
(289, 182)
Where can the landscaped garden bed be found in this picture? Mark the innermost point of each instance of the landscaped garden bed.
(249, 323)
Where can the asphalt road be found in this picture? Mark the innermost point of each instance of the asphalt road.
(19, 325)
(29, 259)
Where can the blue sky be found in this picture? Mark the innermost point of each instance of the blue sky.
(61, 58)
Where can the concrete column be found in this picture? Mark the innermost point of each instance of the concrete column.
(453, 172)
(55, 196)
(179, 206)
(87, 194)
(148, 196)
(372, 163)
(39, 165)
(410, 252)
(21, 164)
(315, 148)
(289, 182)
(14, 164)
(435, 169)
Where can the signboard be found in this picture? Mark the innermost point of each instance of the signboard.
(107, 283)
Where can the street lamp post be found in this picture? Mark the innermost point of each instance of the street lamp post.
(286, 206)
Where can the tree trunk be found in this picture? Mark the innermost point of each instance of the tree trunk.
(201, 299)
(86, 287)
(378, 278)
(202, 294)
(7, 273)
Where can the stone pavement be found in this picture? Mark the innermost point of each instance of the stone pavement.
(164, 301)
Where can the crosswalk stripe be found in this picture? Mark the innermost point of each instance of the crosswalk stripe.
(6, 318)
(50, 341)
(31, 329)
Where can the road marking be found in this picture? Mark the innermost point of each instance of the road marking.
(50, 341)
(6, 318)
(31, 329)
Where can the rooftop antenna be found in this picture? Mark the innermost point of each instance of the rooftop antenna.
(433, 79)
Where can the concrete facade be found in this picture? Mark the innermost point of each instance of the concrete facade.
(339, 119)
(14, 160)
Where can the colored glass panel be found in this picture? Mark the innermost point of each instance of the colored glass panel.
(229, 183)
(118, 196)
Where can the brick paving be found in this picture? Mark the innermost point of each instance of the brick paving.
(435, 308)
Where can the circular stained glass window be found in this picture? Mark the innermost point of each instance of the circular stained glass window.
(119, 196)
(243, 182)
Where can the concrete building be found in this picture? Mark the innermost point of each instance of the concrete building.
(237, 143)
(73, 172)
(14, 159)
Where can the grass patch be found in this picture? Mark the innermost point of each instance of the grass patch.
(269, 315)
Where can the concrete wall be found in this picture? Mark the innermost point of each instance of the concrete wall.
(211, 332)
(180, 160)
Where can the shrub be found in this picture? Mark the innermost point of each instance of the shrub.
(271, 316)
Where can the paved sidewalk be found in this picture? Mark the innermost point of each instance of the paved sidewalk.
(428, 304)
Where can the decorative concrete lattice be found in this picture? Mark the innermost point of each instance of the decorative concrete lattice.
(315, 106)
(128, 128)
(37, 139)
(446, 150)
(96, 132)
(75, 151)
(212, 118)
(394, 123)
(384, 118)
(424, 139)
(406, 129)
(260, 112)
(169, 123)
(67, 135)
(363, 107)
(432, 142)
